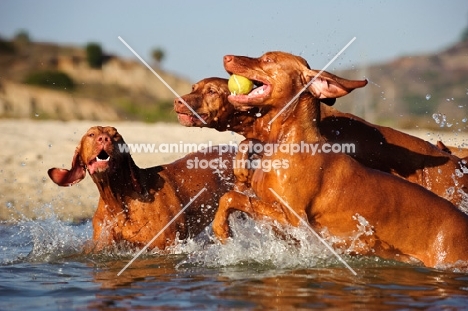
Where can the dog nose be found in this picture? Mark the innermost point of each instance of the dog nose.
(228, 58)
(178, 101)
(103, 138)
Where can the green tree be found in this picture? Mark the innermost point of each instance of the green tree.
(6, 47)
(158, 55)
(94, 55)
(50, 79)
(464, 36)
(22, 37)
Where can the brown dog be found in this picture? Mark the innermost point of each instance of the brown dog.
(378, 147)
(209, 100)
(136, 204)
(408, 222)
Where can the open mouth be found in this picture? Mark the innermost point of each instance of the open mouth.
(260, 91)
(189, 119)
(102, 156)
(100, 163)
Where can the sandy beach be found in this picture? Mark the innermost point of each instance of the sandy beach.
(31, 147)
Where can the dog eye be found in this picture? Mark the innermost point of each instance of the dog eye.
(211, 91)
(91, 135)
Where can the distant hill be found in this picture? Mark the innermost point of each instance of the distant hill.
(121, 89)
(408, 91)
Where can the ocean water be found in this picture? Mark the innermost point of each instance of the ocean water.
(43, 267)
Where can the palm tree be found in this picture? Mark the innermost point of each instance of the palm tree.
(158, 55)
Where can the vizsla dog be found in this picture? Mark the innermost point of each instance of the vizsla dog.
(135, 204)
(209, 100)
(408, 221)
(378, 147)
(395, 152)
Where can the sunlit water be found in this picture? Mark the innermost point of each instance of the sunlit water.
(42, 267)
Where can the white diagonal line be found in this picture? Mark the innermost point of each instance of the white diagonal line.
(312, 81)
(313, 231)
(161, 79)
(161, 231)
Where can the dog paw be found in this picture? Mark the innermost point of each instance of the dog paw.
(221, 232)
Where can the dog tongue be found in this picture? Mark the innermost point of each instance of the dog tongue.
(185, 118)
(188, 119)
(257, 92)
(98, 166)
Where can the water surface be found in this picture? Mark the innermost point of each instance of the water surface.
(43, 267)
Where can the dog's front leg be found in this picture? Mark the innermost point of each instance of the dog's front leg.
(253, 207)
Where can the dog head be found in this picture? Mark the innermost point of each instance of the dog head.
(208, 99)
(279, 77)
(98, 153)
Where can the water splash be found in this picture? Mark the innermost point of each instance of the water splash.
(45, 239)
(257, 242)
(464, 201)
(441, 119)
(261, 243)
(54, 240)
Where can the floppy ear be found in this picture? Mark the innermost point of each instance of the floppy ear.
(64, 177)
(327, 85)
(138, 183)
(443, 147)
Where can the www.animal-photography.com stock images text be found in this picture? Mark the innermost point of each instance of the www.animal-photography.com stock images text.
(202, 155)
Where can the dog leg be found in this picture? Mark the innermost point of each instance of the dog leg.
(253, 207)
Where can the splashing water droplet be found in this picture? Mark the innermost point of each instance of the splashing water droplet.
(23, 164)
(440, 119)
(36, 115)
(9, 205)
(464, 120)
(428, 96)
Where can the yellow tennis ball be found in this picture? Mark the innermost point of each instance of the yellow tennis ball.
(239, 85)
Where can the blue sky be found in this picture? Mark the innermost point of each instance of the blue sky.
(197, 34)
